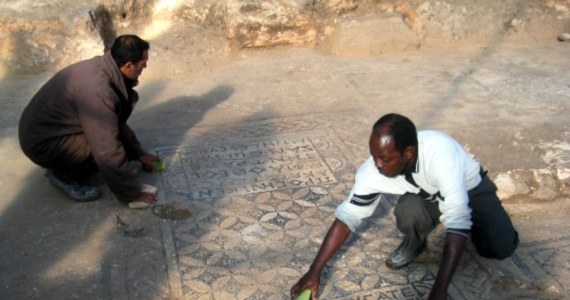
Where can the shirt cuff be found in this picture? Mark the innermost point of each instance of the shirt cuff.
(463, 232)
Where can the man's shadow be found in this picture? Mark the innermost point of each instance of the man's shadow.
(177, 115)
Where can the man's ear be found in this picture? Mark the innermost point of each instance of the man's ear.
(409, 152)
(125, 67)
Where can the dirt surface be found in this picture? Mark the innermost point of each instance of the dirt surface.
(508, 103)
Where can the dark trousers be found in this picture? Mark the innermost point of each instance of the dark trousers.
(69, 157)
(492, 231)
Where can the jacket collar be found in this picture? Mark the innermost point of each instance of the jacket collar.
(115, 74)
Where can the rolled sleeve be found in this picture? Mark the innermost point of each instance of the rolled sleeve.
(369, 186)
(356, 208)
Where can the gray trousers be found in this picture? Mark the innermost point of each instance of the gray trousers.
(492, 232)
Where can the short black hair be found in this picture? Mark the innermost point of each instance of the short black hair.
(401, 129)
(127, 48)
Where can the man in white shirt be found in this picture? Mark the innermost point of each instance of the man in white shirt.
(438, 182)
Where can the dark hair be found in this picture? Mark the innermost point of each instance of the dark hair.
(127, 48)
(401, 129)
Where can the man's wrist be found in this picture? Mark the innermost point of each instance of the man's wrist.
(315, 271)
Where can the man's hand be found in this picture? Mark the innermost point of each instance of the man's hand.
(337, 234)
(147, 160)
(452, 251)
(143, 201)
(312, 281)
(147, 198)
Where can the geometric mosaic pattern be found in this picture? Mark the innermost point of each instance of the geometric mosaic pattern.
(262, 204)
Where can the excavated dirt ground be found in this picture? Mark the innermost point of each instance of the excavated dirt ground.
(256, 224)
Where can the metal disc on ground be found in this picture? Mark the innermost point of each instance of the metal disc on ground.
(167, 211)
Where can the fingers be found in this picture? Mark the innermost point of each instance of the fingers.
(300, 290)
(148, 158)
(153, 158)
(143, 201)
(303, 293)
(294, 291)
(148, 198)
(154, 166)
(152, 163)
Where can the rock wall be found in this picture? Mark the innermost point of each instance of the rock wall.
(45, 35)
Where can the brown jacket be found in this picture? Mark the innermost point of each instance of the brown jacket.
(89, 98)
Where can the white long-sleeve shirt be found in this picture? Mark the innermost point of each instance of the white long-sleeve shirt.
(442, 166)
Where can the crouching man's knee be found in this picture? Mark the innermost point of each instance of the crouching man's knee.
(500, 250)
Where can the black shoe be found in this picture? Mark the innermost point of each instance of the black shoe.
(403, 256)
(74, 190)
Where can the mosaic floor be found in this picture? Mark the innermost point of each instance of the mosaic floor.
(263, 195)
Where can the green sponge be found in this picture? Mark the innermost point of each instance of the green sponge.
(157, 166)
(305, 295)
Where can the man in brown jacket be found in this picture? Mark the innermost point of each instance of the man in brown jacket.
(76, 124)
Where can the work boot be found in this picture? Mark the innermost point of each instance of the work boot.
(403, 255)
(73, 189)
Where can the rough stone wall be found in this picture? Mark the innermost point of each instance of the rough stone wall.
(434, 23)
(46, 34)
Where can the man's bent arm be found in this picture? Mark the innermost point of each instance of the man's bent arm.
(452, 251)
(335, 238)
